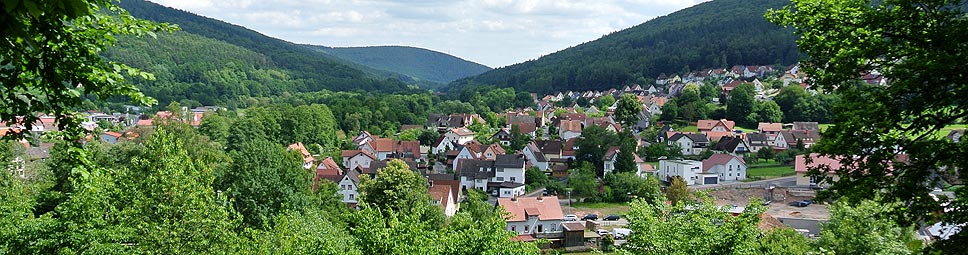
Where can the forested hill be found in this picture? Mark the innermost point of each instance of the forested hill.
(419, 64)
(213, 62)
(718, 33)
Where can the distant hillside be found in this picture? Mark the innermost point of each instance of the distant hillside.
(718, 33)
(210, 61)
(419, 64)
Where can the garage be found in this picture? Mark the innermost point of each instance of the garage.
(710, 180)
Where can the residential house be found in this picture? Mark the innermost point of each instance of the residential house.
(757, 141)
(817, 162)
(570, 129)
(440, 121)
(722, 125)
(308, 159)
(363, 138)
(111, 137)
(444, 196)
(645, 170)
(328, 170)
(459, 135)
(384, 148)
(525, 128)
(690, 144)
(348, 188)
(443, 145)
(611, 156)
(771, 130)
(503, 176)
(691, 172)
(788, 139)
(535, 157)
(732, 145)
(491, 151)
(354, 159)
(807, 126)
(728, 167)
(535, 216)
(471, 150)
(503, 136)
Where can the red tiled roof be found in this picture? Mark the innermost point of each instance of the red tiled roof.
(570, 125)
(769, 127)
(547, 208)
(801, 166)
(299, 147)
(114, 134)
(706, 125)
(442, 193)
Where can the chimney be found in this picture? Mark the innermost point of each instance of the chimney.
(540, 197)
(514, 198)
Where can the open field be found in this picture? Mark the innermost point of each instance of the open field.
(602, 209)
(770, 171)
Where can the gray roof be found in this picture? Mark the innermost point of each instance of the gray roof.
(509, 161)
(696, 138)
(549, 146)
(538, 155)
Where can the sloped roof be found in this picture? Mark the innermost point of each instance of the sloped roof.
(549, 146)
(570, 125)
(538, 155)
(719, 159)
(546, 208)
(442, 193)
(526, 128)
(299, 147)
(769, 127)
(611, 152)
(462, 131)
(710, 124)
(727, 143)
(800, 163)
(811, 126)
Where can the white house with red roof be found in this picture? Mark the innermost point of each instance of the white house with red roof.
(308, 159)
(722, 125)
(728, 167)
(444, 196)
(357, 158)
(533, 215)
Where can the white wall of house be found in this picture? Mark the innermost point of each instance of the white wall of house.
(569, 135)
(689, 170)
(511, 192)
(734, 170)
(358, 160)
(530, 155)
(463, 154)
(532, 226)
(508, 175)
(348, 190)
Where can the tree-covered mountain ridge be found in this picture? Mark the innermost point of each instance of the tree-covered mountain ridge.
(715, 34)
(211, 62)
(417, 63)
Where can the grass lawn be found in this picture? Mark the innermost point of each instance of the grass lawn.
(770, 171)
(602, 209)
(689, 129)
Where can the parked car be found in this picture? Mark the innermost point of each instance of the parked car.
(603, 232)
(590, 216)
(571, 217)
(613, 217)
(801, 203)
(621, 233)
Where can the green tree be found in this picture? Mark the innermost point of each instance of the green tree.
(677, 190)
(789, 98)
(535, 178)
(783, 240)
(670, 111)
(216, 127)
(864, 228)
(627, 110)
(740, 104)
(398, 189)
(625, 162)
(700, 228)
(518, 139)
(919, 47)
(582, 180)
(765, 153)
(627, 186)
(264, 180)
(52, 59)
(768, 111)
(593, 143)
(605, 102)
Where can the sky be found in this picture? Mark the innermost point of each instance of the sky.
(494, 33)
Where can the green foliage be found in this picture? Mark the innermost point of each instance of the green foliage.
(419, 64)
(398, 190)
(535, 178)
(626, 186)
(519, 140)
(310, 232)
(628, 109)
(582, 180)
(670, 111)
(677, 191)
(765, 153)
(864, 228)
(714, 34)
(919, 47)
(603, 103)
(625, 162)
(50, 60)
(264, 180)
(700, 228)
(593, 144)
(657, 150)
(767, 111)
(740, 105)
(779, 241)
(797, 105)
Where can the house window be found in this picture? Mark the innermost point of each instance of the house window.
(500, 170)
(513, 228)
(540, 228)
(352, 197)
(500, 179)
(527, 228)
(513, 180)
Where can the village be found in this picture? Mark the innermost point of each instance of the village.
(731, 163)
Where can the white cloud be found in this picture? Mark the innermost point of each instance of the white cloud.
(491, 32)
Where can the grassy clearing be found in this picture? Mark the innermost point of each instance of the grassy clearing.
(770, 171)
(602, 209)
